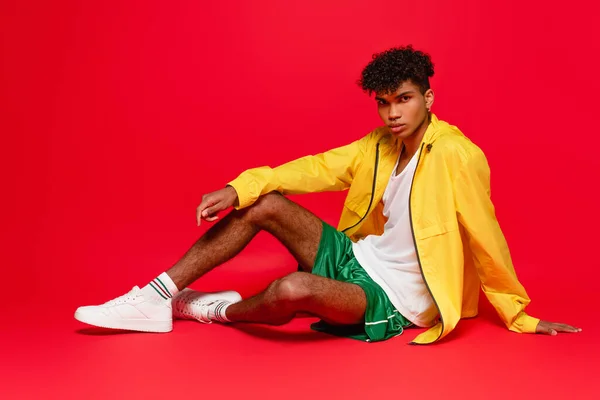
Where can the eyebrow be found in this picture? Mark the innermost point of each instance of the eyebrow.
(400, 95)
(405, 93)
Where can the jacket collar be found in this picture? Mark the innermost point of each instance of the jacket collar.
(434, 129)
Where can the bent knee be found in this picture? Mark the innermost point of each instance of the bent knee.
(266, 207)
(293, 288)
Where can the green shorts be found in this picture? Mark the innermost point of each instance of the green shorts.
(335, 260)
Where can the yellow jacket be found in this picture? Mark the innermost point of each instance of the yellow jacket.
(459, 243)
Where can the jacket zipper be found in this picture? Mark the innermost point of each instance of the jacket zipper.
(415, 242)
(372, 189)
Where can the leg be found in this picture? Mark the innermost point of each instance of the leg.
(150, 309)
(294, 226)
(335, 302)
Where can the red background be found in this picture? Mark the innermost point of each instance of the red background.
(117, 117)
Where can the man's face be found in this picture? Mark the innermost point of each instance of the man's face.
(405, 110)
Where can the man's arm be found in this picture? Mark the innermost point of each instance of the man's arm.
(328, 171)
(490, 250)
(332, 170)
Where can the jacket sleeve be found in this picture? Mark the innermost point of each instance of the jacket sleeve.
(490, 251)
(329, 171)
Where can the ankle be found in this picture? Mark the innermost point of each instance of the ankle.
(161, 288)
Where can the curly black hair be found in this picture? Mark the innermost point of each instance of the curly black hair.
(390, 68)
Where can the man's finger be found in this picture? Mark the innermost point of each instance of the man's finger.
(212, 219)
(545, 329)
(211, 211)
(199, 210)
(203, 209)
(562, 327)
(549, 331)
(566, 328)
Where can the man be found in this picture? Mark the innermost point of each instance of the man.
(418, 234)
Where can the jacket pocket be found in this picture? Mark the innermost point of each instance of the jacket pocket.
(436, 229)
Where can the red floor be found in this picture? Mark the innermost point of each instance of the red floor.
(49, 355)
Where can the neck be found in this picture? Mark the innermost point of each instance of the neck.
(412, 143)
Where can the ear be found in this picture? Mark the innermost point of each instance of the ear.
(429, 97)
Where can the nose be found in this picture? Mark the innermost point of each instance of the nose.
(394, 113)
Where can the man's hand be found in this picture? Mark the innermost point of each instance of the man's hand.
(552, 328)
(215, 202)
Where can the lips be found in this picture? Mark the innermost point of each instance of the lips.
(397, 127)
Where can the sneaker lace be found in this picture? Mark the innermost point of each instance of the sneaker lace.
(122, 299)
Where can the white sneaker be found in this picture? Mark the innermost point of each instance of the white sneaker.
(131, 312)
(191, 304)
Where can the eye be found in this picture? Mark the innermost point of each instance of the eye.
(381, 102)
(405, 98)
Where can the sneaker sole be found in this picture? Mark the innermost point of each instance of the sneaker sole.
(128, 324)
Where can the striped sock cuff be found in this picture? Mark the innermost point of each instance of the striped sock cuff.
(220, 309)
(161, 289)
(164, 286)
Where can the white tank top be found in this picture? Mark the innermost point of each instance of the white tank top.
(391, 259)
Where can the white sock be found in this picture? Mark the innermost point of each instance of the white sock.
(161, 288)
(219, 312)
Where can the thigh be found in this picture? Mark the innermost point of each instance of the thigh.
(335, 302)
(294, 226)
